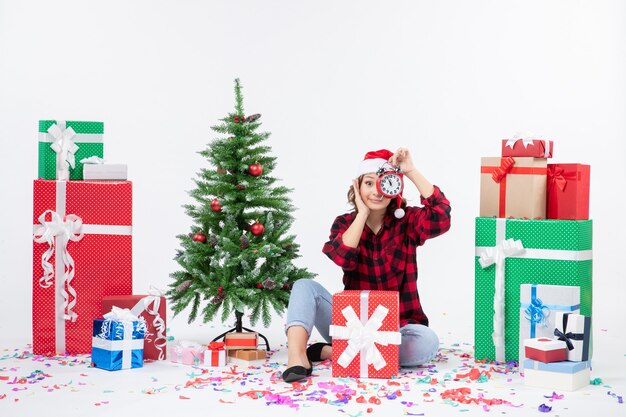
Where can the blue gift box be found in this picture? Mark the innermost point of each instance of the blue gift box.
(564, 367)
(117, 344)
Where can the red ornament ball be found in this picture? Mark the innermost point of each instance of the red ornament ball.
(259, 285)
(220, 289)
(241, 187)
(257, 229)
(236, 119)
(199, 237)
(215, 205)
(255, 169)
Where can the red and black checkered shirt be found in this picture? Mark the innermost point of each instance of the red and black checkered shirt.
(388, 260)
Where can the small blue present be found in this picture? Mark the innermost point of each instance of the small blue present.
(117, 341)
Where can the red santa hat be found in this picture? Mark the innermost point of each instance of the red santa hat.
(371, 163)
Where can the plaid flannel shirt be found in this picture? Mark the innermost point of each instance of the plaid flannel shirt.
(388, 260)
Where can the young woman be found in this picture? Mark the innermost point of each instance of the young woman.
(376, 247)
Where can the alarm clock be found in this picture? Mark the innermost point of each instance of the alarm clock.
(390, 182)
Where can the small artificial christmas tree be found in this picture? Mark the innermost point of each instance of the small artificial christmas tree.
(238, 254)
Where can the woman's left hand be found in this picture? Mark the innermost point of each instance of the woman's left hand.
(402, 159)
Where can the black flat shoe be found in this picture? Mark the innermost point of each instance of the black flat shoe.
(297, 373)
(314, 352)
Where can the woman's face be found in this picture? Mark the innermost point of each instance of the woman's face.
(370, 195)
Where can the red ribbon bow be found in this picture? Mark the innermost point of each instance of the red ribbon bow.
(216, 346)
(506, 164)
(556, 177)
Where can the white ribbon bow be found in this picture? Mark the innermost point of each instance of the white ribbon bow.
(154, 299)
(363, 338)
(497, 255)
(526, 140)
(64, 147)
(59, 232)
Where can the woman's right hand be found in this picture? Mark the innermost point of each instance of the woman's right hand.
(358, 201)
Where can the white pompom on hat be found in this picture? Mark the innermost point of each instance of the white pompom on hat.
(371, 163)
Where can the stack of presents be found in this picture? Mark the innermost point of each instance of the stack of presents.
(236, 345)
(533, 265)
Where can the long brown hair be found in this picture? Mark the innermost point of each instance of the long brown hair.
(390, 208)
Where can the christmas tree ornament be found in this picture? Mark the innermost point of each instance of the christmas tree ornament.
(390, 182)
(269, 284)
(236, 119)
(220, 289)
(241, 187)
(253, 117)
(257, 229)
(285, 286)
(245, 242)
(215, 205)
(199, 237)
(255, 169)
(218, 298)
(183, 286)
(213, 240)
(259, 285)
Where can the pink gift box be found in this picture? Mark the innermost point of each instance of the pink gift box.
(186, 352)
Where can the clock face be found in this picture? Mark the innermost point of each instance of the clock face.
(390, 184)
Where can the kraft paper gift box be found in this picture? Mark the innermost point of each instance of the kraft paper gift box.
(105, 171)
(186, 352)
(63, 144)
(539, 308)
(536, 148)
(568, 191)
(152, 309)
(575, 330)
(117, 341)
(513, 187)
(511, 252)
(545, 350)
(215, 355)
(248, 354)
(555, 376)
(82, 252)
(241, 340)
(365, 332)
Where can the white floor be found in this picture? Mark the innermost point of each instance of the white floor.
(31, 386)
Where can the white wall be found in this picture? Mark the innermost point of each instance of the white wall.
(332, 80)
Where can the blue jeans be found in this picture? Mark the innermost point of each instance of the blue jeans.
(310, 305)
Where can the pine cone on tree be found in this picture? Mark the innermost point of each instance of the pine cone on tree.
(184, 286)
(269, 284)
(245, 242)
(213, 240)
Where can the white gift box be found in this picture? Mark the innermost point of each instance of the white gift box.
(577, 329)
(565, 376)
(105, 172)
(538, 307)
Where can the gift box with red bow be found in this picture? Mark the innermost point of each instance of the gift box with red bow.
(150, 308)
(82, 252)
(536, 148)
(568, 191)
(365, 332)
(513, 187)
(215, 355)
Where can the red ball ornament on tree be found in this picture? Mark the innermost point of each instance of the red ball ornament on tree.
(215, 205)
(257, 229)
(259, 285)
(199, 237)
(255, 169)
(220, 289)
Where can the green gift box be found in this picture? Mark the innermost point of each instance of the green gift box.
(87, 141)
(511, 252)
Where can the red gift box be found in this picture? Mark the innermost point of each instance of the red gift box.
(82, 252)
(365, 331)
(152, 309)
(241, 340)
(545, 350)
(215, 355)
(536, 148)
(568, 192)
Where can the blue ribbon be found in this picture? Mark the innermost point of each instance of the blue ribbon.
(537, 313)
